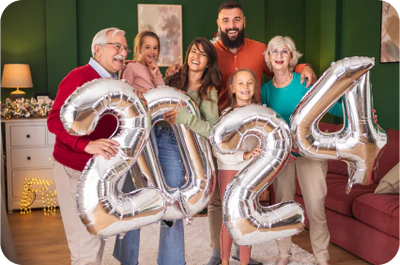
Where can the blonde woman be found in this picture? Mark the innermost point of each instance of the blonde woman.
(282, 94)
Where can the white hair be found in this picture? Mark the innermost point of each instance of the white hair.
(101, 37)
(278, 42)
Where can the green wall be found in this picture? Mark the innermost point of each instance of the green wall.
(54, 36)
(361, 36)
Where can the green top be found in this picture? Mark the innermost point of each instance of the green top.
(208, 110)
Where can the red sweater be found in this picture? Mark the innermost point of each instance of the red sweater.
(70, 150)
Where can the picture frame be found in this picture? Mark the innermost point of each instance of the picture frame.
(166, 22)
(389, 49)
(42, 95)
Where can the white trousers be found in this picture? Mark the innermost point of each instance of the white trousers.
(84, 248)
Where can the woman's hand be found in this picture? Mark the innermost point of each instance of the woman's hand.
(308, 73)
(249, 155)
(171, 115)
(104, 147)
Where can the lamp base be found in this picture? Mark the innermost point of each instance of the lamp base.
(16, 94)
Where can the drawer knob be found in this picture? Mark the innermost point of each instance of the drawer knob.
(29, 158)
(28, 136)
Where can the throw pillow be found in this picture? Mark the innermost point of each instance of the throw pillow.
(389, 184)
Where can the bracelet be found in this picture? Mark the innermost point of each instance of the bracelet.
(309, 65)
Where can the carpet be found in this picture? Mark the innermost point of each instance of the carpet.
(197, 247)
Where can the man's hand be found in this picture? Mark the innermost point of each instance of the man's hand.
(173, 69)
(104, 147)
(308, 73)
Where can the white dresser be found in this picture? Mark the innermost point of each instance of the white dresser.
(29, 154)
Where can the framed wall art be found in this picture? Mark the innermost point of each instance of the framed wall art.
(389, 34)
(166, 22)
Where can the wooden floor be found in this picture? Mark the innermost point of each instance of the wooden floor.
(40, 240)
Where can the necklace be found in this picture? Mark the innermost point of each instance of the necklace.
(286, 83)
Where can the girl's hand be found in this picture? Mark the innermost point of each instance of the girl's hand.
(153, 67)
(253, 153)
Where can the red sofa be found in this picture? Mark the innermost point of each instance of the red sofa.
(362, 223)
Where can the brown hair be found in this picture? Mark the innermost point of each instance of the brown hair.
(229, 5)
(138, 42)
(232, 98)
(211, 76)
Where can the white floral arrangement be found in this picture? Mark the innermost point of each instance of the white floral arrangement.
(25, 108)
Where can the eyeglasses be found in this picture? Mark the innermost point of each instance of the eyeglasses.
(119, 47)
(283, 53)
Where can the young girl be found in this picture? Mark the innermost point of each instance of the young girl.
(243, 84)
(143, 74)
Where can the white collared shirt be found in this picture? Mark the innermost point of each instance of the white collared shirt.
(100, 69)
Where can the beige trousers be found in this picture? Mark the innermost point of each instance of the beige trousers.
(311, 175)
(84, 248)
(214, 211)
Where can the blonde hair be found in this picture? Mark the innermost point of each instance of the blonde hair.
(138, 42)
(232, 97)
(278, 42)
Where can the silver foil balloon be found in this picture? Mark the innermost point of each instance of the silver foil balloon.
(194, 195)
(360, 140)
(247, 221)
(101, 206)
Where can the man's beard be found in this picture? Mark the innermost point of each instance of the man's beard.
(232, 44)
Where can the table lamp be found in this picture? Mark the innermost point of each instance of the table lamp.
(16, 76)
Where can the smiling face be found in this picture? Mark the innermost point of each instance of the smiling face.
(280, 58)
(149, 50)
(109, 55)
(231, 24)
(197, 59)
(243, 86)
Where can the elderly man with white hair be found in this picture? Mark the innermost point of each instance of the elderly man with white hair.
(71, 153)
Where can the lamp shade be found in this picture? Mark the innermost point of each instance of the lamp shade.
(16, 76)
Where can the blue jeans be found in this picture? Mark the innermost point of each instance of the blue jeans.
(172, 246)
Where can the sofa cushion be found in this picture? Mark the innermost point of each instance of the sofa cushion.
(379, 211)
(337, 200)
(389, 157)
(389, 184)
(337, 167)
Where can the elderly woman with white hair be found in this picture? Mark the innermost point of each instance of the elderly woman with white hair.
(282, 94)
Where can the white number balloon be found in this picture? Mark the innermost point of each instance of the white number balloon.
(248, 222)
(360, 140)
(102, 208)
